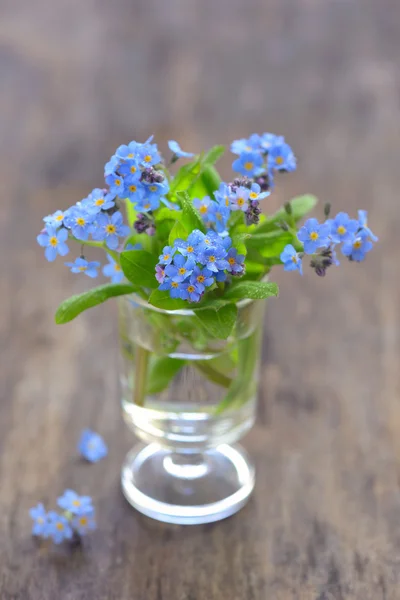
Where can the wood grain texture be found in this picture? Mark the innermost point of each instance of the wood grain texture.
(77, 79)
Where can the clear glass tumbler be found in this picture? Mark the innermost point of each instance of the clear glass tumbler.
(189, 397)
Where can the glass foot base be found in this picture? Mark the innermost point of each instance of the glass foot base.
(187, 488)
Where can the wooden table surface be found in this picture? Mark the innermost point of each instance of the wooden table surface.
(76, 80)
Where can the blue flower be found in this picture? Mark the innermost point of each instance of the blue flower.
(155, 190)
(220, 276)
(149, 155)
(131, 169)
(203, 205)
(357, 247)
(116, 184)
(160, 273)
(55, 220)
(291, 260)
(186, 247)
(248, 163)
(81, 265)
(219, 216)
(222, 195)
(178, 152)
(92, 446)
(256, 193)
(130, 246)
(75, 504)
(201, 278)
(189, 291)
(113, 270)
(133, 190)
(246, 145)
(363, 223)
(281, 158)
(181, 268)
(313, 235)
(269, 140)
(342, 227)
(167, 255)
(58, 528)
(210, 239)
(109, 228)
(130, 151)
(40, 522)
(214, 259)
(240, 199)
(147, 204)
(54, 242)
(79, 220)
(84, 523)
(99, 200)
(172, 286)
(111, 166)
(235, 262)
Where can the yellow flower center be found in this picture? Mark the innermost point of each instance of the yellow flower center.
(117, 182)
(231, 260)
(279, 160)
(60, 526)
(166, 256)
(240, 201)
(207, 241)
(182, 271)
(147, 205)
(117, 268)
(76, 503)
(111, 229)
(219, 216)
(59, 217)
(83, 521)
(203, 210)
(314, 236)
(174, 284)
(294, 258)
(153, 188)
(357, 244)
(226, 201)
(341, 230)
(99, 202)
(40, 520)
(53, 241)
(201, 278)
(248, 165)
(147, 158)
(82, 268)
(80, 221)
(132, 188)
(133, 169)
(191, 288)
(190, 249)
(131, 155)
(253, 195)
(211, 258)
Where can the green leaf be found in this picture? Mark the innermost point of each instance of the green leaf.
(162, 370)
(178, 231)
(186, 175)
(72, 307)
(218, 323)
(236, 219)
(213, 155)
(190, 217)
(162, 299)
(270, 244)
(139, 266)
(164, 213)
(238, 242)
(130, 212)
(256, 290)
(301, 205)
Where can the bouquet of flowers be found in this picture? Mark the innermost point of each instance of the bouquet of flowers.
(182, 239)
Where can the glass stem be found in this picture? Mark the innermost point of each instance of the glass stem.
(141, 364)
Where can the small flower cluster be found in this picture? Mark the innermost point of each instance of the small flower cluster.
(320, 240)
(131, 173)
(76, 520)
(240, 195)
(188, 267)
(260, 156)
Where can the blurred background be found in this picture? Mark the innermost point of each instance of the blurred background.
(76, 80)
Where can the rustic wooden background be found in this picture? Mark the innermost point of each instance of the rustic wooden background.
(79, 78)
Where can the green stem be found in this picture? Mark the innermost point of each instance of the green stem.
(141, 364)
(212, 374)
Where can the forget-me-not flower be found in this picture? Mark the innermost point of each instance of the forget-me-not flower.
(99, 200)
(342, 228)
(80, 220)
(113, 270)
(357, 247)
(128, 151)
(58, 528)
(281, 158)
(167, 255)
(177, 150)
(313, 235)
(269, 140)
(116, 184)
(109, 228)
(149, 155)
(240, 199)
(248, 163)
(40, 521)
(84, 523)
(181, 268)
(55, 220)
(214, 259)
(235, 262)
(291, 259)
(54, 242)
(363, 224)
(202, 278)
(75, 504)
(81, 265)
(91, 445)
(189, 291)
(172, 286)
